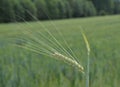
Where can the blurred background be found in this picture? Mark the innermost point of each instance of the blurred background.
(20, 10)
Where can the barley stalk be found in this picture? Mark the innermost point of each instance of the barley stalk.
(88, 60)
(68, 60)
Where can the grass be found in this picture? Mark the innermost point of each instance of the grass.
(23, 68)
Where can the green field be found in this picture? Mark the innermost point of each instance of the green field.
(24, 68)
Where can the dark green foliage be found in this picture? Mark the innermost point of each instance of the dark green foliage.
(78, 9)
(102, 12)
(106, 5)
(52, 9)
(29, 9)
(6, 11)
(117, 7)
(20, 10)
(41, 9)
(68, 8)
(83, 8)
(61, 5)
(89, 9)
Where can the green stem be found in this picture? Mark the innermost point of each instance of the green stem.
(88, 70)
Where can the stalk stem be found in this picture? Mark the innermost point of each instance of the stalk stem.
(88, 70)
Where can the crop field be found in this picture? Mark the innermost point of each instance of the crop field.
(22, 67)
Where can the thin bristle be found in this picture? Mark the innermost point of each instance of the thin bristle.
(69, 60)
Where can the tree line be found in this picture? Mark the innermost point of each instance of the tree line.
(29, 10)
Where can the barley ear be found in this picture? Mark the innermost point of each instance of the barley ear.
(68, 60)
(86, 42)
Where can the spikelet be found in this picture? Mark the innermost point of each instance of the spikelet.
(86, 42)
(69, 60)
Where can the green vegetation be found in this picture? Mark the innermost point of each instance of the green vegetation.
(13, 10)
(23, 68)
